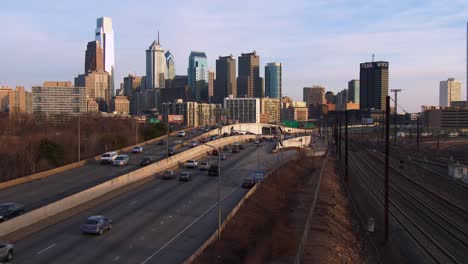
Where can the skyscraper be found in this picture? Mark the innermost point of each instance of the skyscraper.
(170, 65)
(353, 91)
(373, 85)
(198, 75)
(105, 36)
(225, 83)
(449, 91)
(314, 95)
(94, 57)
(249, 83)
(211, 80)
(155, 66)
(273, 81)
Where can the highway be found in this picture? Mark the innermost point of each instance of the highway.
(42, 192)
(163, 221)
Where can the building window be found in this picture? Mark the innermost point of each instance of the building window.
(76, 109)
(76, 100)
(37, 99)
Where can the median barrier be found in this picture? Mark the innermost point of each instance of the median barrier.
(85, 196)
(47, 173)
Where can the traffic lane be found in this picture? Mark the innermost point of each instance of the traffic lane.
(129, 211)
(53, 188)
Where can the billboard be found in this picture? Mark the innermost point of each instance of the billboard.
(178, 119)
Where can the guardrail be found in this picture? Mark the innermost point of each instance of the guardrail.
(85, 196)
(47, 173)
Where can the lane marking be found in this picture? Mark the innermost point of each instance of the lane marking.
(116, 258)
(133, 202)
(45, 249)
(187, 227)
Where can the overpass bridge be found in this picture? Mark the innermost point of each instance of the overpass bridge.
(256, 128)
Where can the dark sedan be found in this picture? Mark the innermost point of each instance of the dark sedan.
(10, 210)
(96, 224)
(147, 160)
(248, 183)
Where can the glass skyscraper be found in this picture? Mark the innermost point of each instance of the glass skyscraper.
(198, 75)
(105, 36)
(273, 80)
(170, 65)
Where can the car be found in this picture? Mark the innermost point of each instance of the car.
(248, 183)
(169, 174)
(137, 149)
(193, 144)
(235, 150)
(6, 252)
(241, 146)
(225, 134)
(206, 129)
(185, 176)
(96, 224)
(162, 142)
(181, 134)
(171, 152)
(147, 160)
(108, 157)
(203, 140)
(10, 210)
(256, 142)
(121, 160)
(213, 170)
(204, 166)
(222, 157)
(191, 164)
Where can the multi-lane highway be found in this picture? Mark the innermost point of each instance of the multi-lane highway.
(42, 192)
(163, 221)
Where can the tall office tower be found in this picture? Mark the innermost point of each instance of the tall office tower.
(373, 85)
(249, 83)
(211, 80)
(314, 95)
(155, 66)
(353, 91)
(97, 87)
(198, 75)
(132, 85)
(170, 65)
(94, 57)
(225, 83)
(105, 36)
(449, 91)
(273, 80)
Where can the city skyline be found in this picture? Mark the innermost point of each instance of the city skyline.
(416, 68)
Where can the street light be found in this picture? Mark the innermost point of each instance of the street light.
(219, 188)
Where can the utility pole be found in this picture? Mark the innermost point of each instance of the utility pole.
(339, 135)
(79, 140)
(346, 148)
(396, 91)
(136, 131)
(167, 136)
(387, 163)
(417, 134)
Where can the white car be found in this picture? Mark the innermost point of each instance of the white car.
(109, 157)
(6, 252)
(193, 144)
(181, 134)
(137, 149)
(205, 166)
(121, 160)
(191, 164)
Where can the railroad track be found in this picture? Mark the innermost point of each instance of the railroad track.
(438, 226)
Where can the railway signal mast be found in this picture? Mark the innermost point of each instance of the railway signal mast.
(396, 91)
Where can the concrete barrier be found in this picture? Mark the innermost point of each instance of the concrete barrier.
(85, 196)
(47, 173)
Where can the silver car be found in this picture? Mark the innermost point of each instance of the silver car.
(6, 252)
(121, 160)
(96, 224)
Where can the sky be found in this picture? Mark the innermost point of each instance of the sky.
(319, 42)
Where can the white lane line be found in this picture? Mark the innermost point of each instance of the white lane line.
(45, 249)
(116, 258)
(133, 202)
(187, 227)
(237, 165)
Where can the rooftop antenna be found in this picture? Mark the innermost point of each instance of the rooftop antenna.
(158, 36)
(372, 55)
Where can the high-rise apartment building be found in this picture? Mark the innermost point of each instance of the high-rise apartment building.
(242, 110)
(105, 37)
(198, 75)
(94, 57)
(195, 114)
(120, 105)
(353, 91)
(314, 95)
(273, 81)
(449, 90)
(156, 66)
(170, 65)
(225, 83)
(211, 80)
(373, 85)
(271, 108)
(249, 83)
(97, 84)
(15, 101)
(56, 98)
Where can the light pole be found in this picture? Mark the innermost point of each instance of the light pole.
(79, 143)
(219, 187)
